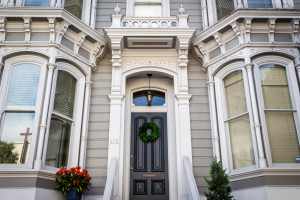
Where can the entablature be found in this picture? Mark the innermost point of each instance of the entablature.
(247, 28)
(45, 27)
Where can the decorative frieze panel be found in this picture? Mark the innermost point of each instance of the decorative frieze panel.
(10, 50)
(289, 51)
(169, 65)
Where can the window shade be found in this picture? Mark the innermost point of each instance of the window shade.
(275, 87)
(65, 94)
(23, 87)
(241, 142)
(235, 94)
(282, 137)
(224, 8)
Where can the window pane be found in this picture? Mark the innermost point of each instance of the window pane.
(260, 3)
(224, 8)
(241, 142)
(65, 94)
(37, 2)
(282, 136)
(275, 87)
(58, 143)
(74, 7)
(235, 94)
(148, 10)
(23, 87)
(140, 98)
(16, 133)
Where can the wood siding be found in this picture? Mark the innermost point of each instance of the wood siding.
(97, 146)
(297, 4)
(104, 9)
(200, 123)
(192, 8)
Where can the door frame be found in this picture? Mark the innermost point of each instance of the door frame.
(166, 85)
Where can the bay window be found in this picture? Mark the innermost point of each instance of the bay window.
(280, 113)
(277, 95)
(20, 107)
(235, 120)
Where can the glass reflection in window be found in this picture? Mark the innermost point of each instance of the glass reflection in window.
(140, 98)
(74, 7)
(42, 3)
(260, 4)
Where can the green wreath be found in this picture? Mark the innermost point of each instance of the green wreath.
(143, 132)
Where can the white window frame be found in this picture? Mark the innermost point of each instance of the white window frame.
(9, 64)
(294, 95)
(74, 145)
(223, 125)
(165, 8)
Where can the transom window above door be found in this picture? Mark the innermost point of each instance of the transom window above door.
(140, 98)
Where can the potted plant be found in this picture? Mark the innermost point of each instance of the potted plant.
(73, 182)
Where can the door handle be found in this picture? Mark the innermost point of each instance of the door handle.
(131, 168)
(131, 156)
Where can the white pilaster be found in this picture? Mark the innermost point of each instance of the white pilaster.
(183, 141)
(204, 14)
(213, 116)
(297, 66)
(2, 29)
(247, 22)
(93, 14)
(27, 28)
(85, 122)
(240, 4)
(257, 125)
(52, 22)
(38, 162)
(272, 24)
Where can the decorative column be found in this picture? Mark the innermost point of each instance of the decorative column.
(257, 125)
(213, 116)
(85, 120)
(183, 133)
(93, 14)
(297, 66)
(115, 148)
(240, 4)
(204, 14)
(38, 162)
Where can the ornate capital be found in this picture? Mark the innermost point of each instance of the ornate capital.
(211, 83)
(297, 66)
(51, 66)
(249, 66)
(88, 83)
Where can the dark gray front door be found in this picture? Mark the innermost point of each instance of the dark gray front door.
(149, 161)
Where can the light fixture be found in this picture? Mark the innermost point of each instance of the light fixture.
(149, 94)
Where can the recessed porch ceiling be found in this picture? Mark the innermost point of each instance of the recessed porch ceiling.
(145, 42)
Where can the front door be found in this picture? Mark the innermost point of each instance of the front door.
(149, 161)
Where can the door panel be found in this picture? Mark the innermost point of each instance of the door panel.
(149, 175)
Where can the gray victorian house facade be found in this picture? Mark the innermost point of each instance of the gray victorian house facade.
(218, 78)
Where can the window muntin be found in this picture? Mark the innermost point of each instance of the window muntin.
(19, 110)
(224, 8)
(260, 4)
(140, 98)
(148, 8)
(35, 3)
(61, 120)
(279, 114)
(238, 121)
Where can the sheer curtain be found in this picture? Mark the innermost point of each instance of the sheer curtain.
(280, 121)
(238, 121)
(148, 8)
